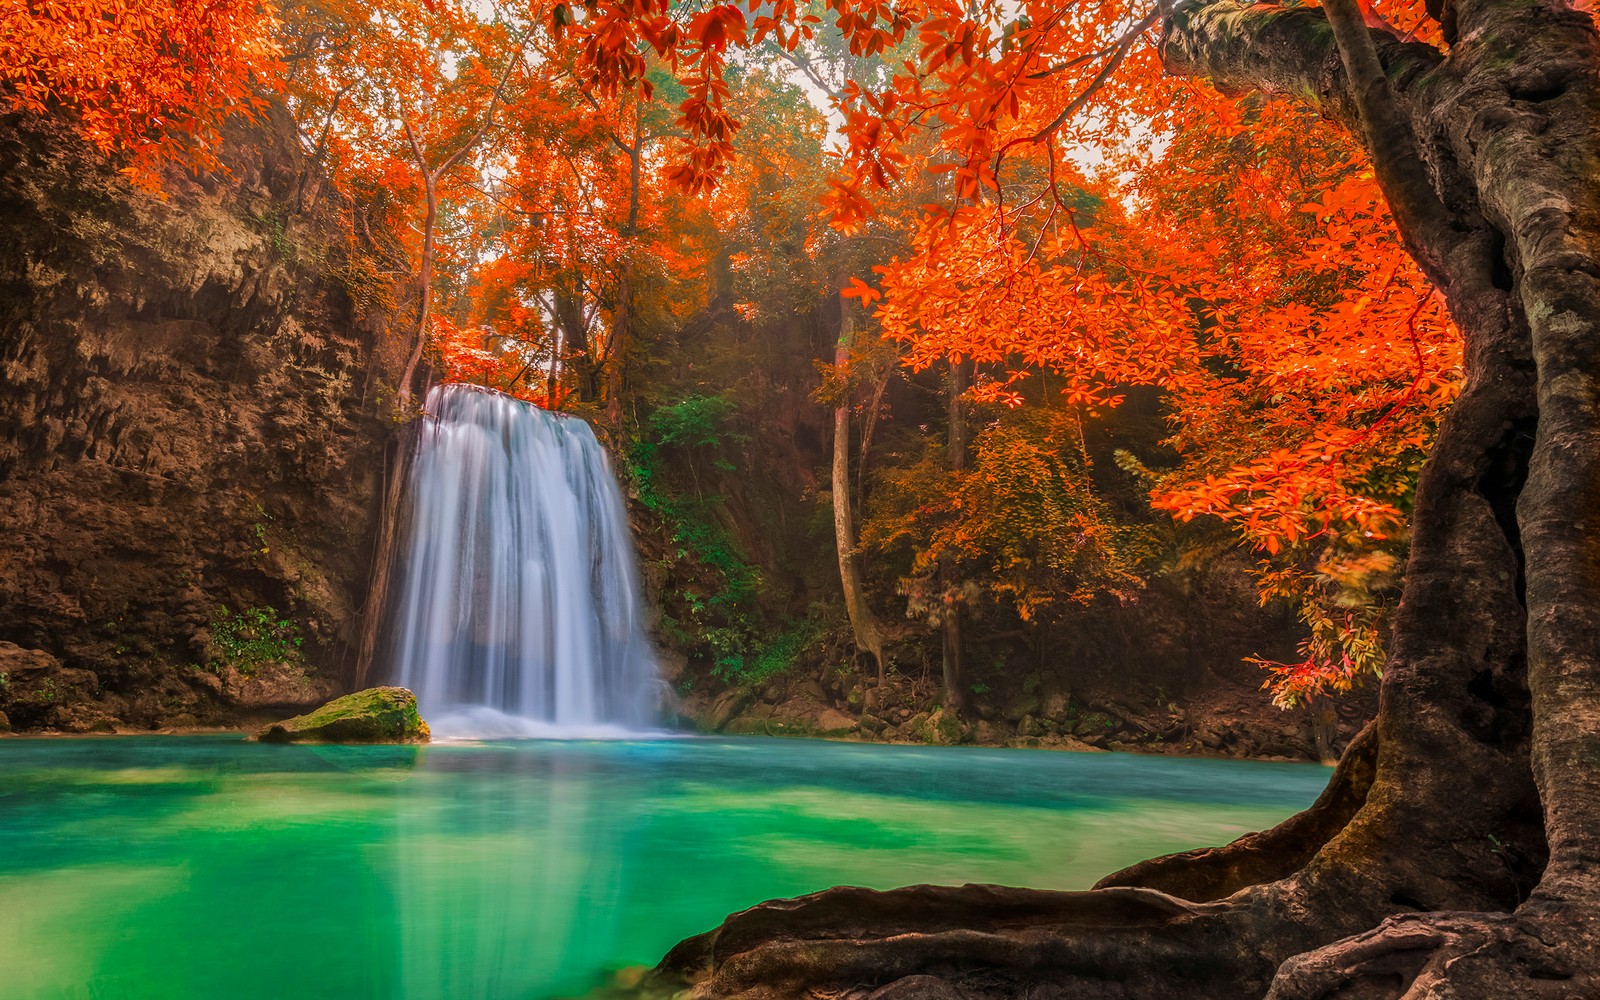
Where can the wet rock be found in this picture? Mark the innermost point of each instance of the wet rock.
(725, 709)
(916, 728)
(1076, 745)
(944, 728)
(1029, 726)
(832, 722)
(671, 663)
(990, 733)
(758, 720)
(273, 684)
(376, 715)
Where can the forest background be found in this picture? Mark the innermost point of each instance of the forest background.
(1034, 443)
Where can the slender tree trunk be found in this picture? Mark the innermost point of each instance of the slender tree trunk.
(1455, 852)
(949, 575)
(403, 393)
(863, 624)
(621, 328)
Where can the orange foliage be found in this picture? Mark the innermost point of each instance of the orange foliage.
(151, 80)
(1086, 216)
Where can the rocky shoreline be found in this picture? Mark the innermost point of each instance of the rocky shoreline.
(41, 696)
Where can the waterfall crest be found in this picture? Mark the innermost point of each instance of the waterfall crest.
(517, 604)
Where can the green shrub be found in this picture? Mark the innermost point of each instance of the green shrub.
(247, 639)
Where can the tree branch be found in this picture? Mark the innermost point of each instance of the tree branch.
(1396, 157)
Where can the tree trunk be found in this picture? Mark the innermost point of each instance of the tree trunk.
(863, 625)
(616, 355)
(1455, 853)
(949, 577)
(617, 351)
(576, 349)
(403, 393)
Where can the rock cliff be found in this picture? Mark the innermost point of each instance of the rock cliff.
(190, 440)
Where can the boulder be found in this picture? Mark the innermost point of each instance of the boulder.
(1055, 705)
(944, 728)
(916, 727)
(871, 699)
(284, 685)
(376, 715)
(832, 722)
(725, 709)
(38, 692)
(991, 734)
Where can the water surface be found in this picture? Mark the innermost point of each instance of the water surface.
(170, 868)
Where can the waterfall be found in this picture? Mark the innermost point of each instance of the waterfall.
(517, 607)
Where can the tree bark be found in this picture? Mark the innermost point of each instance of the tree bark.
(1456, 851)
(949, 575)
(863, 624)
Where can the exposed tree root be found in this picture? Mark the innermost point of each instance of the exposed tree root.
(1543, 951)
(1215, 872)
(944, 943)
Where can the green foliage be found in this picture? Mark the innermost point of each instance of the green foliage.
(696, 422)
(250, 638)
(716, 611)
(774, 656)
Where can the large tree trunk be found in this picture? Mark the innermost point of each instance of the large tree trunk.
(1457, 849)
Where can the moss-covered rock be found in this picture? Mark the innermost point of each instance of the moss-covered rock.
(376, 715)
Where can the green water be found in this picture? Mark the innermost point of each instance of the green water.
(171, 868)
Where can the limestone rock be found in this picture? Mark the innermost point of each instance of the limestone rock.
(282, 684)
(725, 709)
(991, 733)
(183, 425)
(947, 728)
(37, 692)
(832, 722)
(376, 715)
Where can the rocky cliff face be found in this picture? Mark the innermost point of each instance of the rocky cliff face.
(190, 446)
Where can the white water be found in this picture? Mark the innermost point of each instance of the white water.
(518, 610)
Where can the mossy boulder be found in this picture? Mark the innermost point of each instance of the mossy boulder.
(376, 715)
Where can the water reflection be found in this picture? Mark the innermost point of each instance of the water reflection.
(508, 885)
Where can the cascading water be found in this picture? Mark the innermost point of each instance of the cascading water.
(517, 604)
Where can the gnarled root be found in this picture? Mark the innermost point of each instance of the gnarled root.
(1544, 951)
(1216, 872)
(991, 941)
